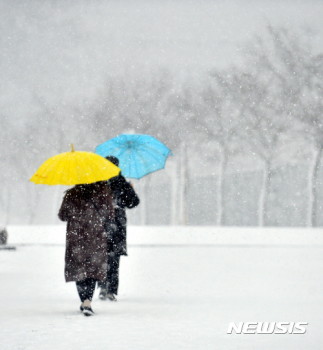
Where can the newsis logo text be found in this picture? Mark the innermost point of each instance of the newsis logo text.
(267, 328)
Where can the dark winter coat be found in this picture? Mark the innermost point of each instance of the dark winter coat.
(86, 240)
(124, 197)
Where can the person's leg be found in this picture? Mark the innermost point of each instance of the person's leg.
(113, 274)
(103, 288)
(85, 289)
(102, 285)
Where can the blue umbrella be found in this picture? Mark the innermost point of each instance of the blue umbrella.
(138, 155)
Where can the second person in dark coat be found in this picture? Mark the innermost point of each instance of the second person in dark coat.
(124, 197)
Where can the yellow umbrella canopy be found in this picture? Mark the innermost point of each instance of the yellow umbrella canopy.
(74, 168)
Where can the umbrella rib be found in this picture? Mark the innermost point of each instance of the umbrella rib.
(153, 148)
(136, 140)
(109, 173)
(116, 148)
(130, 156)
(149, 151)
(85, 165)
(137, 171)
(150, 171)
(153, 151)
(120, 144)
(145, 162)
(124, 150)
(51, 172)
(72, 165)
(97, 170)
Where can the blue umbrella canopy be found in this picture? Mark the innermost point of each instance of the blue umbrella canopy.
(138, 154)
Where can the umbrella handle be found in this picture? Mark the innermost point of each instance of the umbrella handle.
(72, 147)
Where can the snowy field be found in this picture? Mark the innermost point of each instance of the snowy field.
(180, 288)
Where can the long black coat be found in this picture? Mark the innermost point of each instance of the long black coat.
(86, 253)
(124, 197)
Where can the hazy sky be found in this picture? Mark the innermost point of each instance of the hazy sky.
(61, 50)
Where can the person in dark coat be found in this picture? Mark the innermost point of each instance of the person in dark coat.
(124, 196)
(84, 208)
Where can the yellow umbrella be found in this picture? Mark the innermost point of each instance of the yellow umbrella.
(74, 168)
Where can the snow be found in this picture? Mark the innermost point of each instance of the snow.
(180, 288)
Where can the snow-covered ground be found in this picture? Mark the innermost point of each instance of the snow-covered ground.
(180, 288)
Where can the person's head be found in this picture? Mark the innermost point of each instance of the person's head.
(113, 160)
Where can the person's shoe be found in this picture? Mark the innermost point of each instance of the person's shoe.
(81, 307)
(103, 294)
(87, 311)
(111, 297)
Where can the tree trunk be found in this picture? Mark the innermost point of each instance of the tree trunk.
(144, 212)
(221, 187)
(8, 207)
(264, 193)
(34, 198)
(312, 181)
(183, 184)
(174, 204)
(55, 203)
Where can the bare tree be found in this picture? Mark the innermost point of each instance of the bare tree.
(129, 103)
(264, 125)
(6, 167)
(289, 60)
(304, 82)
(219, 123)
(180, 115)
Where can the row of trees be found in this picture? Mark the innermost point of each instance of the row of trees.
(271, 107)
